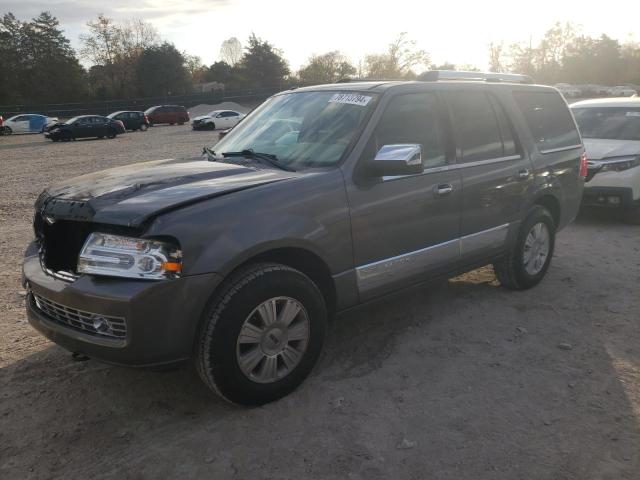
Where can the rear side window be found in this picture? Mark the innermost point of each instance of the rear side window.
(548, 119)
(413, 118)
(478, 133)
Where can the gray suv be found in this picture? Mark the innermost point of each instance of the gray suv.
(321, 199)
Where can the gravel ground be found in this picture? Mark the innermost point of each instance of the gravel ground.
(458, 380)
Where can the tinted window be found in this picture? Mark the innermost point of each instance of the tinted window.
(228, 114)
(21, 118)
(506, 130)
(477, 130)
(548, 119)
(412, 118)
(613, 123)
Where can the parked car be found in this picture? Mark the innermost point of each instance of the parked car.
(132, 120)
(567, 90)
(27, 123)
(217, 119)
(237, 262)
(85, 126)
(3, 130)
(611, 132)
(622, 91)
(170, 114)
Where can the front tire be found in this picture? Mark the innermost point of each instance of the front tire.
(528, 258)
(262, 334)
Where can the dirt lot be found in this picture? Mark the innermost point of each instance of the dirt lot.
(460, 380)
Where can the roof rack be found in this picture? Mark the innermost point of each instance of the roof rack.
(435, 75)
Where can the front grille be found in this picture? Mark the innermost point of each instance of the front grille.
(94, 324)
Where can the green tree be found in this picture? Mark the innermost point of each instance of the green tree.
(262, 65)
(37, 62)
(327, 68)
(161, 70)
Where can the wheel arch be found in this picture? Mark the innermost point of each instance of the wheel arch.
(551, 203)
(302, 259)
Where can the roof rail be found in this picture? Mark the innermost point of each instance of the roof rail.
(435, 75)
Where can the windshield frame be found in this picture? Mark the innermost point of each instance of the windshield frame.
(613, 109)
(357, 134)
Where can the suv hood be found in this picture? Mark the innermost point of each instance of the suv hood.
(600, 148)
(132, 194)
(201, 117)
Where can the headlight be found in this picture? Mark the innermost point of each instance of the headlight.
(619, 164)
(117, 256)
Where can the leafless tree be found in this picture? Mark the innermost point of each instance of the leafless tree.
(231, 51)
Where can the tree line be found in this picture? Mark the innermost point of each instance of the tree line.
(566, 55)
(120, 60)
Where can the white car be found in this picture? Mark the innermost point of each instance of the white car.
(610, 130)
(217, 120)
(568, 91)
(622, 91)
(28, 123)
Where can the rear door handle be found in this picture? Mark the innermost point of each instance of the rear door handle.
(523, 174)
(443, 190)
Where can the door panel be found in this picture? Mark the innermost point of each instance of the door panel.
(402, 228)
(496, 174)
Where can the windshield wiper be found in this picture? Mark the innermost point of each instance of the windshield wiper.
(269, 158)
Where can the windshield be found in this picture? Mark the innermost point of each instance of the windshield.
(301, 128)
(613, 123)
(72, 120)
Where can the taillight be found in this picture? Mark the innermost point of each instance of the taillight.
(146, 119)
(583, 165)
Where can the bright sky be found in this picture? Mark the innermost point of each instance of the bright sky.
(454, 31)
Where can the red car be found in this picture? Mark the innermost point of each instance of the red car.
(170, 114)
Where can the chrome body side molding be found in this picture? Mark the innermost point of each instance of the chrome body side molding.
(407, 265)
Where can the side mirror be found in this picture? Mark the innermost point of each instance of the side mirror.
(398, 159)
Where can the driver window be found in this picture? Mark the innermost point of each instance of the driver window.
(412, 118)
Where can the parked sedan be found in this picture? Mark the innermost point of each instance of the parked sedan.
(132, 120)
(217, 119)
(86, 126)
(27, 123)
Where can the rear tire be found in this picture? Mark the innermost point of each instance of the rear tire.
(282, 317)
(111, 133)
(528, 258)
(144, 127)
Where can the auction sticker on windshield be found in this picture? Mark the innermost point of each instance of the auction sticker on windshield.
(351, 98)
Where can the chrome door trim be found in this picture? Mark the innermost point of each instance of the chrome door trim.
(560, 149)
(455, 166)
(389, 270)
(382, 272)
(487, 239)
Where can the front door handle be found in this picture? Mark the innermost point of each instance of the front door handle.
(523, 174)
(443, 189)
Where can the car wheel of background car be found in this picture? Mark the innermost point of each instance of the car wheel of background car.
(151, 124)
(262, 334)
(111, 133)
(100, 137)
(8, 131)
(211, 126)
(172, 123)
(144, 127)
(66, 136)
(180, 123)
(528, 259)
